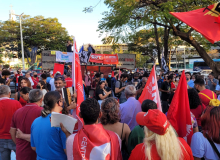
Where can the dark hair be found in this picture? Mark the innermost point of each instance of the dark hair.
(59, 77)
(90, 110)
(194, 100)
(110, 111)
(199, 81)
(212, 74)
(6, 73)
(50, 100)
(115, 73)
(97, 75)
(146, 74)
(25, 90)
(44, 76)
(210, 123)
(27, 81)
(188, 73)
(43, 84)
(65, 110)
(148, 104)
(124, 76)
(68, 74)
(170, 77)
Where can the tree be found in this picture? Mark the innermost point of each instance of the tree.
(39, 34)
(129, 16)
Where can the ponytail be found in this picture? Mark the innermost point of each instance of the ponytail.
(45, 111)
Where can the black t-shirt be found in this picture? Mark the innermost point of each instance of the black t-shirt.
(69, 48)
(2, 81)
(166, 87)
(98, 92)
(108, 79)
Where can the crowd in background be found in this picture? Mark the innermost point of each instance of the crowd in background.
(116, 124)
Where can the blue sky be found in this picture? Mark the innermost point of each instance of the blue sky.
(69, 12)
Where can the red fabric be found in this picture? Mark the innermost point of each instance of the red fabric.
(151, 90)
(22, 119)
(203, 21)
(35, 82)
(198, 112)
(58, 67)
(104, 58)
(173, 85)
(96, 58)
(113, 74)
(69, 82)
(204, 99)
(93, 140)
(7, 109)
(179, 111)
(22, 101)
(187, 153)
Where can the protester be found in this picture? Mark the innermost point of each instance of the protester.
(205, 95)
(69, 46)
(69, 81)
(137, 134)
(96, 80)
(136, 79)
(190, 82)
(113, 81)
(49, 76)
(19, 74)
(141, 88)
(35, 79)
(212, 82)
(42, 86)
(49, 142)
(202, 143)
(24, 95)
(4, 80)
(130, 108)
(87, 81)
(7, 109)
(119, 88)
(196, 106)
(52, 83)
(108, 79)
(160, 140)
(110, 121)
(93, 141)
(44, 78)
(24, 83)
(28, 75)
(59, 82)
(100, 92)
(21, 125)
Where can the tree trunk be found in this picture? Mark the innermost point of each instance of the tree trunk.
(188, 38)
(27, 58)
(166, 49)
(158, 44)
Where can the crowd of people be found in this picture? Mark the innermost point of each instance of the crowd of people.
(116, 125)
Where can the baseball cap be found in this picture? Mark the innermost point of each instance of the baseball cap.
(154, 120)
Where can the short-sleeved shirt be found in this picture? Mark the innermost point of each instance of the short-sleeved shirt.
(117, 85)
(211, 86)
(217, 88)
(202, 148)
(98, 92)
(139, 154)
(191, 83)
(166, 87)
(69, 82)
(22, 119)
(50, 142)
(3, 81)
(198, 112)
(7, 110)
(208, 93)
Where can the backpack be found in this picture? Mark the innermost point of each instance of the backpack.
(118, 95)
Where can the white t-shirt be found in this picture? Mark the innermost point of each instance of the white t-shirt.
(52, 85)
(32, 83)
(202, 148)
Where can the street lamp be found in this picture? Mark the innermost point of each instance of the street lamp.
(22, 47)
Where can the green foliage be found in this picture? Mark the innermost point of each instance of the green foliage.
(6, 66)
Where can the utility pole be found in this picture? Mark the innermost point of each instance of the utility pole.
(22, 47)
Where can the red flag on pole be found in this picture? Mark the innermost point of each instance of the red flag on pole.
(151, 90)
(58, 68)
(205, 21)
(113, 74)
(179, 112)
(77, 83)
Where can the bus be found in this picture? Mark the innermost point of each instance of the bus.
(201, 65)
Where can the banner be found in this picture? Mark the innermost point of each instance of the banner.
(151, 90)
(126, 61)
(64, 56)
(84, 56)
(58, 68)
(104, 58)
(205, 21)
(96, 58)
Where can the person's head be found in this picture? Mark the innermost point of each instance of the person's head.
(35, 74)
(68, 74)
(41, 85)
(161, 133)
(211, 76)
(59, 82)
(52, 102)
(97, 77)
(25, 82)
(6, 73)
(136, 75)
(68, 42)
(28, 74)
(170, 78)
(95, 72)
(194, 100)
(5, 91)
(166, 76)
(146, 75)
(115, 74)
(148, 104)
(130, 91)
(110, 111)
(101, 75)
(19, 71)
(124, 77)
(101, 85)
(44, 76)
(90, 111)
(199, 84)
(210, 123)
(218, 77)
(144, 81)
(110, 75)
(193, 77)
(188, 76)
(158, 77)
(36, 96)
(24, 92)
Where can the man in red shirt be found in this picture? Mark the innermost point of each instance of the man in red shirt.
(69, 81)
(204, 94)
(35, 80)
(21, 122)
(7, 109)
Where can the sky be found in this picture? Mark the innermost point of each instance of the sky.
(69, 13)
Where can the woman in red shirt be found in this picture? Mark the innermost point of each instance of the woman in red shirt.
(160, 140)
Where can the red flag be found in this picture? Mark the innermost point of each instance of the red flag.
(58, 68)
(151, 90)
(77, 82)
(205, 21)
(119, 74)
(110, 59)
(179, 112)
(113, 74)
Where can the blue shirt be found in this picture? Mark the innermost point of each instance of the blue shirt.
(191, 83)
(48, 79)
(50, 142)
(103, 79)
(113, 81)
